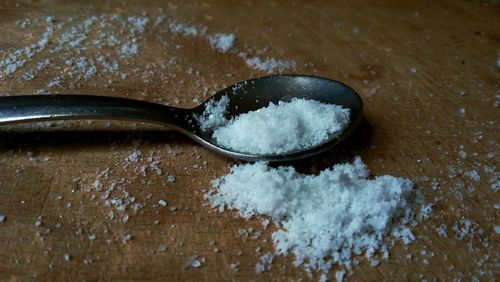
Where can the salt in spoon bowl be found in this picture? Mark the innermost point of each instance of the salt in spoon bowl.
(245, 96)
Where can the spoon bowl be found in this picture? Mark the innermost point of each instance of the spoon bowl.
(243, 97)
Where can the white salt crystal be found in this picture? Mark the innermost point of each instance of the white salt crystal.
(222, 42)
(213, 115)
(425, 211)
(265, 263)
(235, 265)
(134, 156)
(162, 203)
(473, 174)
(162, 248)
(268, 65)
(126, 237)
(87, 261)
(442, 230)
(284, 127)
(2, 218)
(129, 50)
(465, 228)
(38, 222)
(66, 257)
(170, 179)
(139, 23)
(194, 262)
(323, 219)
(183, 29)
(339, 275)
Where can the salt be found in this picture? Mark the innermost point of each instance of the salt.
(213, 115)
(268, 65)
(129, 50)
(282, 127)
(222, 42)
(66, 257)
(322, 219)
(170, 179)
(194, 262)
(184, 29)
(162, 248)
(339, 275)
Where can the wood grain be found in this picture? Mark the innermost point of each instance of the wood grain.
(415, 63)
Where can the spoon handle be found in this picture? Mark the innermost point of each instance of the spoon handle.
(16, 109)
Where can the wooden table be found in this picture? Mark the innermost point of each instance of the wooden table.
(428, 72)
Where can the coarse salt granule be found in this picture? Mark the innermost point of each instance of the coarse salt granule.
(222, 42)
(324, 219)
(213, 115)
(282, 127)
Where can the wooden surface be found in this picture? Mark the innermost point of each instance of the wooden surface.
(429, 77)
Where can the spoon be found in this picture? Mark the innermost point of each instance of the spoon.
(243, 97)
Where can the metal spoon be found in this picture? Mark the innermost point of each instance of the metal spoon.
(243, 97)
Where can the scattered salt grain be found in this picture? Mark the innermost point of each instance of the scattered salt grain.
(235, 265)
(162, 248)
(268, 65)
(284, 127)
(222, 42)
(2, 218)
(134, 156)
(194, 262)
(473, 174)
(465, 228)
(38, 222)
(213, 115)
(184, 29)
(442, 230)
(66, 257)
(126, 237)
(497, 229)
(170, 179)
(87, 261)
(129, 50)
(162, 203)
(139, 23)
(323, 219)
(339, 275)
(265, 263)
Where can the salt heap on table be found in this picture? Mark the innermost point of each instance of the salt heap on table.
(324, 219)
